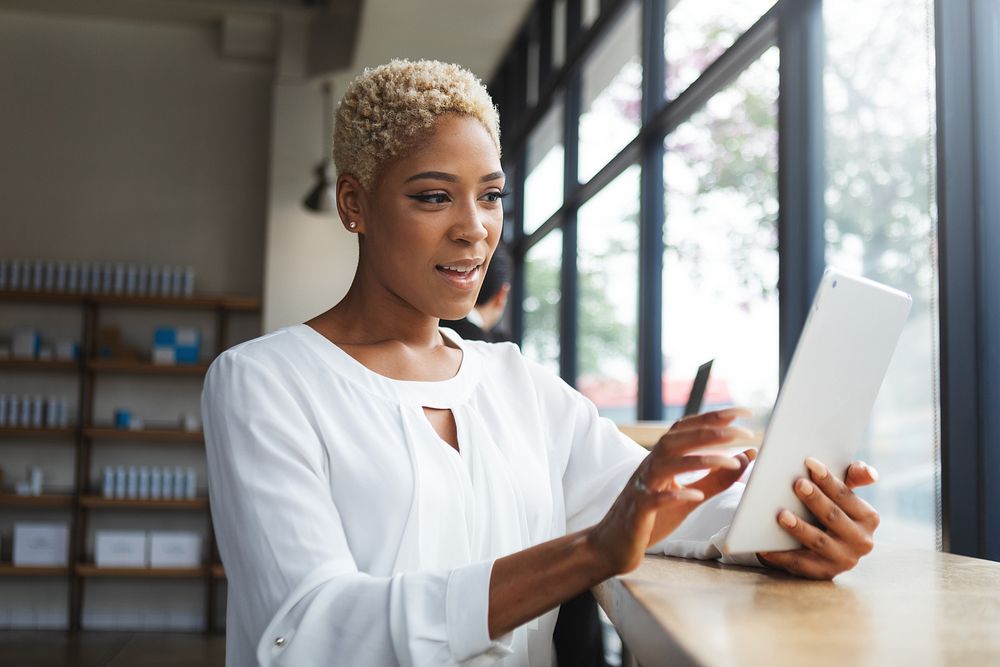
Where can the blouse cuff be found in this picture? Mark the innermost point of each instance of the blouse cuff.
(467, 608)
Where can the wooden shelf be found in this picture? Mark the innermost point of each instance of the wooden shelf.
(91, 570)
(44, 500)
(218, 572)
(204, 302)
(38, 433)
(143, 435)
(11, 570)
(100, 502)
(144, 367)
(53, 366)
(201, 301)
(29, 296)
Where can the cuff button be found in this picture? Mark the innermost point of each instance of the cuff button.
(280, 642)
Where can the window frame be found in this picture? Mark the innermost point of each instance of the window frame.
(968, 210)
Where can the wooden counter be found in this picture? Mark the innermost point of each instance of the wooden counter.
(898, 607)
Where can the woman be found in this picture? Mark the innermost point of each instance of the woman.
(386, 493)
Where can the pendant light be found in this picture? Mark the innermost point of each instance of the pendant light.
(322, 197)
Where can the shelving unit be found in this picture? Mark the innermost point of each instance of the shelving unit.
(82, 501)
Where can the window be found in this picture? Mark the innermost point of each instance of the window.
(720, 264)
(612, 95)
(880, 160)
(542, 293)
(608, 286)
(720, 207)
(543, 186)
(697, 32)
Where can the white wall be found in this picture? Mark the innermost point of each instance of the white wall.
(310, 258)
(133, 141)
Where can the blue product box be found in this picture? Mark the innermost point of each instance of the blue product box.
(123, 418)
(185, 342)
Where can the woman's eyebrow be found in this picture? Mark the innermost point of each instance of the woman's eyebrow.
(452, 178)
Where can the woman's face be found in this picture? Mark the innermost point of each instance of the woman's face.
(434, 219)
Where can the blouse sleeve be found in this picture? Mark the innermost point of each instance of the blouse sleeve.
(598, 461)
(284, 546)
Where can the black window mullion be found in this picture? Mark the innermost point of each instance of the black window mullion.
(968, 140)
(650, 319)
(518, 251)
(801, 210)
(544, 45)
(569, 303)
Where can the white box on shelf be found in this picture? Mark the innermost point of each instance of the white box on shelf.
(26, 342)
(120, 548)
(41, 544)
(164, 356)
(174, 549)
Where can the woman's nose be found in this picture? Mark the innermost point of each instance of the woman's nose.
(471, 223)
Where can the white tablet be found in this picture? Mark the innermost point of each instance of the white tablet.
(824, 404)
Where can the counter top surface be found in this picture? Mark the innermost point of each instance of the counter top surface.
(898, 607)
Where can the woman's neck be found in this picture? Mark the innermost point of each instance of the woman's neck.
(369, 313)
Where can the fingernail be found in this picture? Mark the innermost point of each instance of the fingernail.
(787, 519)
(872, 472)
(816, 468)
(730, 463)
(805, 487)
(751, 453)
(733, 413)
(693, 495)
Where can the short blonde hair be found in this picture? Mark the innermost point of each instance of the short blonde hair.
(385, 110)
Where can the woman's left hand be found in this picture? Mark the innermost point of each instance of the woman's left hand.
(850, 523)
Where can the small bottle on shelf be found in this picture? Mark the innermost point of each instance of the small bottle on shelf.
(108, 483)
(168, 483)
(155, 483)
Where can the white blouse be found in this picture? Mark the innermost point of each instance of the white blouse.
(352, 534)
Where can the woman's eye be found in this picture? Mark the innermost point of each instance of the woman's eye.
(495, 196)
(432, 198)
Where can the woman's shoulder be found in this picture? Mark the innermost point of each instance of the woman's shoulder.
(271, 351)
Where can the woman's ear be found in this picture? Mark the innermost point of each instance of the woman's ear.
(351, 203)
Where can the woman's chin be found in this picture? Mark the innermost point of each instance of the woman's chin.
(455, 311)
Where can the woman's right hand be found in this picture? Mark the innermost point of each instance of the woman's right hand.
(653, 504)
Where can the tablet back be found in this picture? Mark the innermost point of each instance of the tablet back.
(824, 404)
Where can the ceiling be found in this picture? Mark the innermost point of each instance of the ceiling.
(474, 33)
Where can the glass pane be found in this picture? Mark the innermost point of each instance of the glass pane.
(608, 265)
(880, 161)
(543, 185)
(612, 95)
(699, 31)
(542, 268)
(720, 263)
(558, 33)
(589, 11)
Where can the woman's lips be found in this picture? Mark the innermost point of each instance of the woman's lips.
(464, 281)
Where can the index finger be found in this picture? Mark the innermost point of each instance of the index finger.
(714, 418)
(686, 440)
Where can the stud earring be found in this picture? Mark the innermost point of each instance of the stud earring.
(352, 224)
